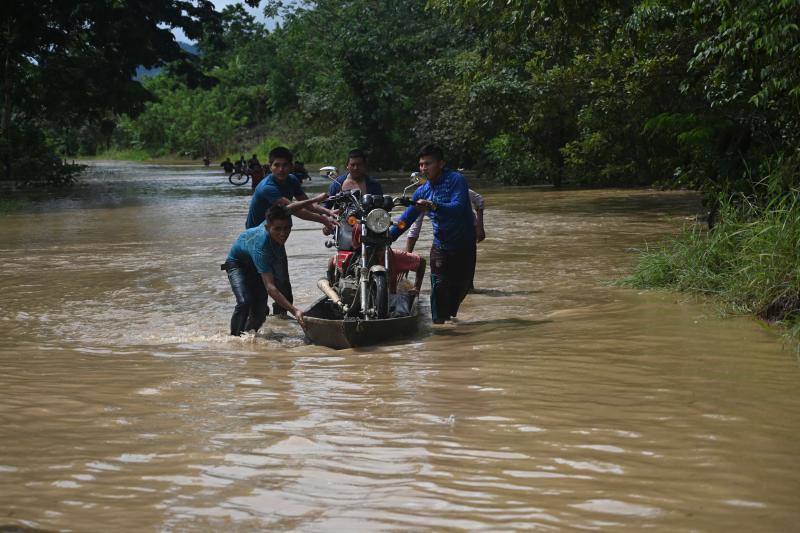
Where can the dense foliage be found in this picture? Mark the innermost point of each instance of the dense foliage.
(750, 261)
(702, 93)
(68, 65)
(697, 93)
(335, 75)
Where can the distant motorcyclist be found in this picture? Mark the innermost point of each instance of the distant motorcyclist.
(227, 165)
(253, 163)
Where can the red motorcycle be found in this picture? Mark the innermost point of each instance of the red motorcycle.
(358, 278)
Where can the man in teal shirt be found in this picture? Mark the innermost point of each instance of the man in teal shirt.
(253, 263)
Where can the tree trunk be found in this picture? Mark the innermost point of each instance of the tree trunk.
(7, 93)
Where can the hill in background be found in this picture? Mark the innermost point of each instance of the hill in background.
(142, 72)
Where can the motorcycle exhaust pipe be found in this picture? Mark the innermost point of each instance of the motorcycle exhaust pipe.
(326, 288)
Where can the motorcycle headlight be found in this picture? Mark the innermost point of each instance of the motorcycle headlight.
(378, 220)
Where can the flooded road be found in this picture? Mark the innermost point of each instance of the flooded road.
(557, 402)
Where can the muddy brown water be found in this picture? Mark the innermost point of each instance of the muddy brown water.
(557, 402)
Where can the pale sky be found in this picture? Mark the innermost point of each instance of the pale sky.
(220, 4)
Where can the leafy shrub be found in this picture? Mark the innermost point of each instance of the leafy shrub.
(750, 260)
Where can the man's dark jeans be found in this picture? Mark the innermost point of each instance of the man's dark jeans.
(282, 283)
(251, 298)
(451, 277)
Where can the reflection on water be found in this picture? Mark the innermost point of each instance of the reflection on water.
(557, 401)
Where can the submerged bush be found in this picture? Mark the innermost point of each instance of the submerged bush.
(751, 260)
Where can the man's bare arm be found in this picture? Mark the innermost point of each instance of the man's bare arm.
(306, 203)
(269, 283)
(322, 210)
(325, 220)
(300, 209)
(315, 208)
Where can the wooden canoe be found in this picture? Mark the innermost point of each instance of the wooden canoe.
(325, 326)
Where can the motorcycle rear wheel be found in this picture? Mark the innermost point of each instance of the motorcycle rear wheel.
(238, 178)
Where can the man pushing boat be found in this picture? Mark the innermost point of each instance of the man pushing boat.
(256, 262)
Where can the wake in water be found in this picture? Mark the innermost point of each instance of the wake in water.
(276, 333)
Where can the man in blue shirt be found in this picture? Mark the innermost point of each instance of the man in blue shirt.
(253, 264)
(279, 188)
(445, 199)
(356, 177)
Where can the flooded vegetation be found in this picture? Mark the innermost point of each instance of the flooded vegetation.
(557, 400)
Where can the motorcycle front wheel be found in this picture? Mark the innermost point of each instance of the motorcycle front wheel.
(238, 178)
(378, 294)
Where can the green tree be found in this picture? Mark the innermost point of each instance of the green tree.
(71, 60)
(361, 70)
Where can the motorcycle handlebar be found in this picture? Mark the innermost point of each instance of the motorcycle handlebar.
(353, 196)
(341, 195)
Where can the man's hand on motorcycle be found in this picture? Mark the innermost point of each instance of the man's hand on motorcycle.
(330, 213)
(425, 205)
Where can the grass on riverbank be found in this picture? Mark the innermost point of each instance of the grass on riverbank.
(750, 261)
(139, 155)
(12, 205)
(307, 147)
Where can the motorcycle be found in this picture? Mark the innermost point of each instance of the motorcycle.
(358, 276)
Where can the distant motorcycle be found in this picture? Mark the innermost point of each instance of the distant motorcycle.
(239, 177)
(358, 278)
